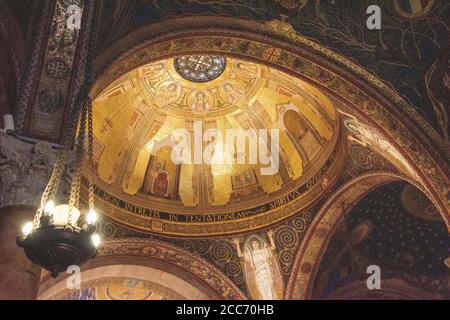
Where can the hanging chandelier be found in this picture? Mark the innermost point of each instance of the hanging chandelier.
(59, 235)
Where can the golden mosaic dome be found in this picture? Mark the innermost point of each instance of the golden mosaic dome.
(135, 118)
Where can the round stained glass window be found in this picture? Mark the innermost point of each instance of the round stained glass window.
(200, 68)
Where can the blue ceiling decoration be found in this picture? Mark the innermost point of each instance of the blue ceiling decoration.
(402, 244)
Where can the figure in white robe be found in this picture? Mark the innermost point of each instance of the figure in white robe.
(262, 272)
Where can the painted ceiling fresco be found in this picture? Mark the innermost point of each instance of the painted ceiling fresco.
(137, 114)
(410, 52)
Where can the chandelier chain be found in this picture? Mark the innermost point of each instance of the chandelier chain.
(51, 188)
(90, 153)
(77, 175)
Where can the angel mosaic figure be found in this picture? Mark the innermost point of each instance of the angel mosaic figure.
(261, 269)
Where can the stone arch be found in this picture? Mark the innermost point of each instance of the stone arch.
(393, 289)
(151, 260)
(277, 45)
(324, 225)
(172, 284)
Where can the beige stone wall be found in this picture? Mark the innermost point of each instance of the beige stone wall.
(19, 278)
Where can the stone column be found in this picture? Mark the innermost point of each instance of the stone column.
(19, 278)
(25, 169)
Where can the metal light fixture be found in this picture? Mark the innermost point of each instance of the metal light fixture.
(57, 238)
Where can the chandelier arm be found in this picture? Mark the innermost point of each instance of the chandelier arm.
(50, 189)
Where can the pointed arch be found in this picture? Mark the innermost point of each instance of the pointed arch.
(324, 225)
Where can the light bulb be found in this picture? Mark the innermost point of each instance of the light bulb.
(95, 240)
(49, 208)
(27, 228)
(91, 217)
(61, 215)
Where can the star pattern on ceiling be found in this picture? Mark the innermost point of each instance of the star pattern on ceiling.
(381, 230)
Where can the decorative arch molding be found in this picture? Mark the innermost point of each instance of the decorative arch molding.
(277, 45)
(316, 240)
(173, 265)
(160, 280)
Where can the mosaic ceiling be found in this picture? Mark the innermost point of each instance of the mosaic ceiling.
(135, 118)
(410, 52)
(200, 68)
(389, 228)
(140, 187)
(141, 109)
(120, 288)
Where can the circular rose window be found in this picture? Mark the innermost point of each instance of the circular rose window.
(200, 68)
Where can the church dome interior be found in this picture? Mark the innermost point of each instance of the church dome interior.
(224, 150)
(136, 115)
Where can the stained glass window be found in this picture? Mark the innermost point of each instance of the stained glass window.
(200, 68)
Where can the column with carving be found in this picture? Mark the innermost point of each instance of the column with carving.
(24, 172)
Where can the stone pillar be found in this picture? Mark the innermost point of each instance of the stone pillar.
(25, 169)
(19, 278)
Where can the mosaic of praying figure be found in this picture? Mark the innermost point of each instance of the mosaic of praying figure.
(167, 94)
(232, 93)
(261, 269)
(200, 103)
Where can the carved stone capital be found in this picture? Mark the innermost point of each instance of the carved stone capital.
(25, 169)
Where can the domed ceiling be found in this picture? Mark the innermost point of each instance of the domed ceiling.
(136, 116)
